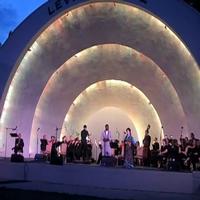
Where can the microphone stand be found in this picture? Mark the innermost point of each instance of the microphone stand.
(7, 128)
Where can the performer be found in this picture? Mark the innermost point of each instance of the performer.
(70, 149)
(100, 154)
(19, 144)
(77, 149)
(146, 148)
(84, 136)
(190, 149)
(49, 145)
(129, 143)
(43, 145)
(89, 149)
(63, 149)
(106, 139)
(55, 158)
(155, 152)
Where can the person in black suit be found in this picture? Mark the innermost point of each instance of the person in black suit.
(43, 145)
(56, 159)
(19, 144)
(84, 135)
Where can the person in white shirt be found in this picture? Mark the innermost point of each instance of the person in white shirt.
(106, 139)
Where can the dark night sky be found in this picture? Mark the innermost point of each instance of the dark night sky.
(13, 12)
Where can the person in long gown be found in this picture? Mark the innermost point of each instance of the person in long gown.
(146, 148)
(129, 143)
(106, 139)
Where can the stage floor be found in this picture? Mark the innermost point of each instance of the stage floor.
(97, 181)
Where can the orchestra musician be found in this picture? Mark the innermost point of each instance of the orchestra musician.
(129, 143)
(43, 145)
(155, 152)
(139, 153)
(190, 152)
(55, 157)
(19, 144)
(146, 148)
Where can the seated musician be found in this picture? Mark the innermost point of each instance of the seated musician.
(55, 158)
(190, 152)
(182, 153)
(77, 149)
(173, 150)
(173, 156)
(163, 155)
(19, 144)
(89, 149)
(139, 154)
(155, 152)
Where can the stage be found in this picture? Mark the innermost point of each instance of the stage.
(104, 182)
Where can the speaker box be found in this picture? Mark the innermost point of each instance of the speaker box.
(40, 158)
(109, 161)
(17, 158)
(58, 160)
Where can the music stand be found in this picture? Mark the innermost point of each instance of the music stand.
(13, 134)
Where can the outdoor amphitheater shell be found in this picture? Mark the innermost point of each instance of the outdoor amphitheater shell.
(70, 59)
